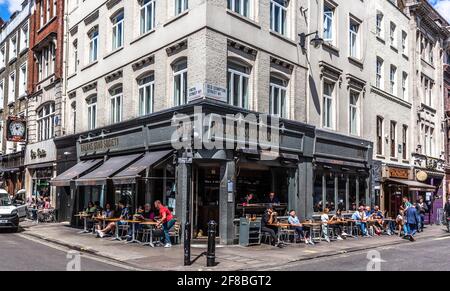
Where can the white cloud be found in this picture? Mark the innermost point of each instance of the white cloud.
(443, 6)
(13, 5)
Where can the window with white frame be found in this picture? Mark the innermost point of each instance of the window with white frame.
(93, 45)
(46, 122)
(117, 31)
(328, 105)
(181, 6)
(428, 91)
(329, 33)
(393, 138)
(405, 85)
(73, 106)
(46, 61)
(92, 112)
(380, 24)
(240, 6)
(404, 43)
(379, 73)
(278, 16)
(393, 34)
(2, 94)
(23, 79)
(431, 52)
(147, 15)
(354, 113)
(146, 94)
(74, 62)
(13, 47)
(42, 20)
(116, 105)
(405, 142)
(180, 82)
(393, 80)
(354, 39)
(24, 36)
(278, 99)
(238, 85)
(12, 88)
(2, 56)
(379, 141)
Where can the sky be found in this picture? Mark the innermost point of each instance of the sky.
(9, 6)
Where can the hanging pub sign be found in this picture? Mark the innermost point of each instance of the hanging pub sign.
(16, 128)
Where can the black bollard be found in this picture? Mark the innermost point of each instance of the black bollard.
(187, 244)
(211, 253)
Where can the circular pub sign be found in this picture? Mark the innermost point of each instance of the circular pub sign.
(421, 176)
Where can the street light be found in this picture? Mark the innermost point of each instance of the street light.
(316, 41)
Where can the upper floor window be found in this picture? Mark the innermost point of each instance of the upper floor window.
(180, 82)
(278, 16)
(379, 73)
(329, 23)
(23, 80)
(393, 34)
(393, 80)
(238, 85)
(24, 36)
(393, 138)
(12, 88)
(240, 6)
(116, 105)
(2, 94)
(354, 113)
(2, 56)
(117, 31)
(405, 85)
(46, 62)
(405, 142)
(404, 43)
(146, 94)
(428, 92)
(13, 47)
(354, 37)
(92, 112)
(180, 6)
(431, 53)
(46, 122)
(277, 104)
(147, 15)
(74, 62)
(380, 24)
(93, 46)
(328, 113)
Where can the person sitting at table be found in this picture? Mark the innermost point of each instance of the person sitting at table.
(98, 207)
(108, 212)
(147, 213)
(336, 226)
(268, 226)
(90, 209)
(324, 218)
(248, 199)
(111, 227)
(360, 217)
(273, 199)
(298, 227)
(377, 217)
(166, 221)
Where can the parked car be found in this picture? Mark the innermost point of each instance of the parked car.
(11, 211)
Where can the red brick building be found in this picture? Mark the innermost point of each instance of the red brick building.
(45, 74)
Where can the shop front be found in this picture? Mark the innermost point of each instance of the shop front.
(342, 173)
(13, 172)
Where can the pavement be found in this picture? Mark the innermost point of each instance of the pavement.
(229, 258)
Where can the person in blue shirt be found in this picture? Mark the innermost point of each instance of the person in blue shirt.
(413, 220)
(298, 227)
(360, 217)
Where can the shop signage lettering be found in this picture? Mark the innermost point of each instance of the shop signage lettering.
(39, 153)
(398, 173)
(100, 145)
(200, 91)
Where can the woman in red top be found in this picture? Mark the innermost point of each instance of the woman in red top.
(166, 220)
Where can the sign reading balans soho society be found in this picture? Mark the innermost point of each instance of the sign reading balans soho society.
(100, 145)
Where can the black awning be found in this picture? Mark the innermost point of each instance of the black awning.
(106, 170)
(413, 185)
(129, 174)
(79, 169)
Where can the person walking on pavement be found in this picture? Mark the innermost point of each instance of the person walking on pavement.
(413, 220)
(422, 209)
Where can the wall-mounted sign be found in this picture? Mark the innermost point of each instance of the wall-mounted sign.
(16, 130)
(200, 91)
(100, 145)
(421, 176)
(39, 153)
(398, 173)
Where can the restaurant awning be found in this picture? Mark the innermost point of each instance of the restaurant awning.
(65, 178)
(106, 170)
(413, 185)
(129, 174)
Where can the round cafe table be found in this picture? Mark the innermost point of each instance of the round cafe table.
(152, 225)
(133, 225)
(116, 231)
(84, 217)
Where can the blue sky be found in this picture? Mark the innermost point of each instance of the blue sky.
(8, 6)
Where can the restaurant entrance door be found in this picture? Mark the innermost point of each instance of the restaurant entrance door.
(206, 199)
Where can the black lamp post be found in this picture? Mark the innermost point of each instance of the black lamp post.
(316, 41)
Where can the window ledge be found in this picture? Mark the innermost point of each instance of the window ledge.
(394, 159)
(113, 52)
(23, 51)
(380, 157)
(394, 48)
(142, 36)
(12, 60)
(426, 62)
(330, 46)
(405, 56)
(405, 161)
(356, 61)
(89, 65)
(244, 18)
(11, 103)
(22, 96)
(45, 79)
(427, 107)
(283, 37)
(71, 76)
(46, 24)
(176, 17)
(2, 69)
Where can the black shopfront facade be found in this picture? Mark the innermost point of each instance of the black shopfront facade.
(137, 159)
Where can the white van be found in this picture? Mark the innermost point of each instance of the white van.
(11, 212)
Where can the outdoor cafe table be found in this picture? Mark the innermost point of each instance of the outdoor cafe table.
(151, 224)
(100, 219)
(133, 225)
(116, 232)
(84, 217)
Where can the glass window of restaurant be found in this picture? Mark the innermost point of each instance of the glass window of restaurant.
(41, 182)
(339, 189)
